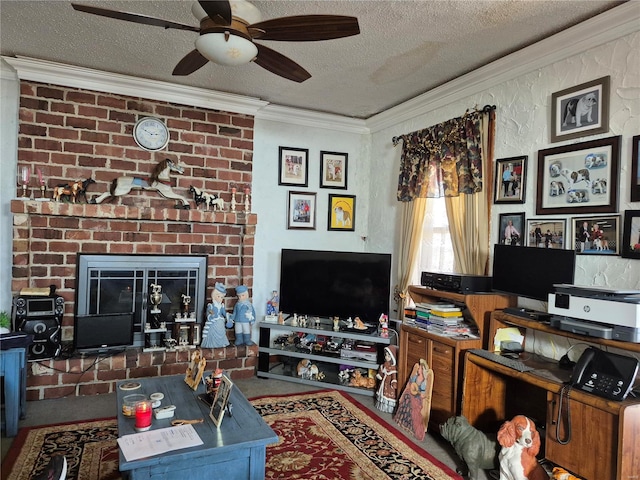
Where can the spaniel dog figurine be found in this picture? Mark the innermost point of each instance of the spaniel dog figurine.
(520, 442)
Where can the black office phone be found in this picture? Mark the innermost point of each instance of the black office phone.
(605, 374)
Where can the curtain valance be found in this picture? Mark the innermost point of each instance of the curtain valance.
(442, 160)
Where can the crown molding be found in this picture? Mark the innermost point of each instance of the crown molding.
(608, 26)
(311, 118)
(79, 77)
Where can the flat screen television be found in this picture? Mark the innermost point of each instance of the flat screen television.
(328, 284)
(103, 332)
(531, 272)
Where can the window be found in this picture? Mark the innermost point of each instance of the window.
(436, 252)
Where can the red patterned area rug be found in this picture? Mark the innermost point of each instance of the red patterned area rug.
(324, 435)
(329, 435)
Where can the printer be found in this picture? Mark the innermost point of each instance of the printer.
(596, 311)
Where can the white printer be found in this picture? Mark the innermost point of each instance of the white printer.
(596, 311)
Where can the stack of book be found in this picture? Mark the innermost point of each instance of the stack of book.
(443, 319)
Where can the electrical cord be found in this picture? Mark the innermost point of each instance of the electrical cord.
(564, 393)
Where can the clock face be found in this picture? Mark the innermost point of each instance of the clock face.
(151, 134)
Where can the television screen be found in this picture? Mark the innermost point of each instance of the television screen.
(328, 284)
(531, 272)
(103, 331)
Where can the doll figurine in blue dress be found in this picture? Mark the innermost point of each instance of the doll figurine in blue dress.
(244, 316)
(214, 334)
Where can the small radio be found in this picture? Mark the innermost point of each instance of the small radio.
(42, 317)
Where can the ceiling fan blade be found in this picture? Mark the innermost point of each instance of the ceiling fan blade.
(305, 28)
(133, 17)
(220, 9)
(191, 62)
(280, 65)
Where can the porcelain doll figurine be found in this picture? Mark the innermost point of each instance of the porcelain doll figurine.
(388, 376)
(214, 334)
(244, 316)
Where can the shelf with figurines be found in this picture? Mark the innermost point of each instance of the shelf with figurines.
(321, 351)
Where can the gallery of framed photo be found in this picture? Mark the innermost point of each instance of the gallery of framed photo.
(631, 234)
(293, 166)
(342, 213)
(301, 210)
(596, 235)
(635, 169)
(333, 170)
(580, 111)
(577, 178)
(512, 229)
(510, 180)
(546, 232)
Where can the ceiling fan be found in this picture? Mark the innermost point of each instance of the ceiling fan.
(228, 29)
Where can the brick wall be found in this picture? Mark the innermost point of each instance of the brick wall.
(71, 134)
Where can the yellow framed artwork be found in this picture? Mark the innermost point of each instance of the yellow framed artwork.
(342, 213)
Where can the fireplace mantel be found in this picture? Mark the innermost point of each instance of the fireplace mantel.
(124, 212)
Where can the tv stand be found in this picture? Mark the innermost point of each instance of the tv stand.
(280, 360)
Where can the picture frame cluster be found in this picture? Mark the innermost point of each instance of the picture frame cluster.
(578, 179)
(293, 170)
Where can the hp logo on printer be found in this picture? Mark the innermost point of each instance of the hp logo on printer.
(586, 308)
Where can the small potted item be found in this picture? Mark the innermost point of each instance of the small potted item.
(5, 322)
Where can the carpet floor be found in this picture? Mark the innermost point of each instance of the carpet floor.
(322, 435)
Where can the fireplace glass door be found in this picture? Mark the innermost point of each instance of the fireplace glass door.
(124, 283)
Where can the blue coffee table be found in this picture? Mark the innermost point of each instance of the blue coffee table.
(234, 451)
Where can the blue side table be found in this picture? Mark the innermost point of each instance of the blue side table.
(13, 367)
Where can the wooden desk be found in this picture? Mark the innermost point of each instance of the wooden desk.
(605, 434)
(235, 451)
(14, 370)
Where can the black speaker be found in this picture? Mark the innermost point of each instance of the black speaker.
(46, 338)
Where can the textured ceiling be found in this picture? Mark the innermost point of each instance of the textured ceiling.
(405, 48)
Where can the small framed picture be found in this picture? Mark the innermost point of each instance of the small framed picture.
(546, 232)
(294, 166)
(220, 401)
(635, 169)
(333, 170)
(631, 234)
(342, 213)
(301, 211)
(510, 180)
(596, 235)
(511, 229)
(580, 111)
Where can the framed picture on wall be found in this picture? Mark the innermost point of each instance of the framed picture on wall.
(342, 213)
(635, 169)
(333, 170)
(577, 178)
(510, 180)
(596, 235)
(580, 111)
(631, 234)
(512, 229)
(546, 232)
(301, 211)
(293, 166)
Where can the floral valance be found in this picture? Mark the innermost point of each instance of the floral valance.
(442, 160)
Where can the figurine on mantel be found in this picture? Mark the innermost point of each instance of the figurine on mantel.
(244, 316)
(214, 334)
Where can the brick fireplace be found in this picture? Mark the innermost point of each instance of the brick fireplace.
(71, 134)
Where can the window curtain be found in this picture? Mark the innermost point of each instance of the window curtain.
(448, 159)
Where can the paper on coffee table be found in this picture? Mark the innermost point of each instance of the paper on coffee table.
(154, 442)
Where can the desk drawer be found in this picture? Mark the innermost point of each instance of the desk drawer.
(417, 346)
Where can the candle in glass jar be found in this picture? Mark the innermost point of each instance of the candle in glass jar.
(143, 415)
(40, 179)
(26, 175)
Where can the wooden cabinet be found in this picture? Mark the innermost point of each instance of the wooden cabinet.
(444, 355)
(604, 434)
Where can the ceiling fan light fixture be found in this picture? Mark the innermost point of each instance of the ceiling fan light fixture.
(226, 49)
(239, 8)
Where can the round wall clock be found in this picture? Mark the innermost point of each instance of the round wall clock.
(151, 133)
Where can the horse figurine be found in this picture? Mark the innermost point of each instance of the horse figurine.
(157, 181)
(208, 199)
(73, 191)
